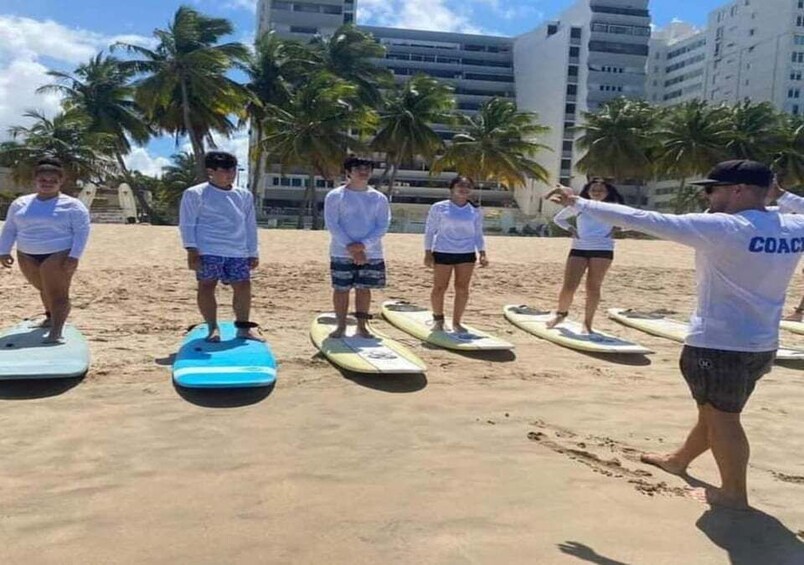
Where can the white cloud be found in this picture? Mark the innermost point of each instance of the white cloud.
(250, 5)
(433, 15)
(24, 42)
(141, 160)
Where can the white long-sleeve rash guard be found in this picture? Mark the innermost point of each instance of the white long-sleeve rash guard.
(743, 262)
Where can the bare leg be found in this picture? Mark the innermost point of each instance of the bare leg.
(573, 273)
(241, 304)
(441, 276)
(208, 306)
(340, 301)
(30, 270)
(56, 282)
(363, 305)
(463, 277)
(677, 462)
(598, 267)
(797, 315)
(731, 450)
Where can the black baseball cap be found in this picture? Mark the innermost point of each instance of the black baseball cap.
(738, 171)
(219, 160)
(355, 161)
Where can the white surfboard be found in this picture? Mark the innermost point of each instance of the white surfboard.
(417, 321)
(569, 333)
(378, 354)
(795, 327)
(23, 355)
(660, 325)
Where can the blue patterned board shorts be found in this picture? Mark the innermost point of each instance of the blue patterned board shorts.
(346, 275)
(228, 270)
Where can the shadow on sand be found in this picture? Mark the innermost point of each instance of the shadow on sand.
(224, 397)
(628, 359)
(388, 382)
(29, 389)
(586, 553)
(752, 537)
(495, 356)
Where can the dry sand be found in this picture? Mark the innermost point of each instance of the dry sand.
(503, 461)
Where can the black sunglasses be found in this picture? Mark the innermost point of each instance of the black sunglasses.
(710, 188)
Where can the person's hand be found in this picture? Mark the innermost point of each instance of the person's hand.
(562, 195)
(484, 261)
(70, 264)
(253, 262)
(574, 233)
(429, 260)
(6, 261)
(359, 257)
(193, 259)
(353, 248)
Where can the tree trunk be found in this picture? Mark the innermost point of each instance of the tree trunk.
(153, 216)
(314, 202)
(392, 181)
(198, 144)
(303, 207)
(256, 174)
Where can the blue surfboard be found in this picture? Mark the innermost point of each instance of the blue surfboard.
(232, 363)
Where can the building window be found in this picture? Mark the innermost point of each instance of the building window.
(798, 40)
(305, 30)
(569, 108)
(552, 29)
(794, 93)
(281, 6)
(575, 33)
(800, 21)
(348, 18)
(566, 164)
(572, 89)
(795, 109)
(566, 146)
(574, 51)
(798, 56)
(795, 75)
(617, 47)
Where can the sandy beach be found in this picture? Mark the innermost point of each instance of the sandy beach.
(529, 458)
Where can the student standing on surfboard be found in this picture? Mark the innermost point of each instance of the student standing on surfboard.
(745, 256)
(592, 252)
(357, 217)
(219, 231)
(453, 238)
(51, 231)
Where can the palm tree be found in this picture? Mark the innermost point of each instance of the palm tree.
(101, 90)
(311, 132)
(692, 139)
(350, 54)
(185, 90)
(84, 154)
(496, 144)
(272, 67)
(618, 140)
(789, 160)
(405, 122)
(755, 131)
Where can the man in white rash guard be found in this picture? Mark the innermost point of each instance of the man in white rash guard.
(357, 217)
(745, 257)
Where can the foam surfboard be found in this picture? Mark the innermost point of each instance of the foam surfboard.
(656, 323)
(378, 354)
(795, 327)
(23, 355)
(568, 333)
(418, 322)
(231, 363)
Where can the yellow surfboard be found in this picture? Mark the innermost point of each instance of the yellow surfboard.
(417, 321)
(378, 354)
(660, 325)
(569, 333)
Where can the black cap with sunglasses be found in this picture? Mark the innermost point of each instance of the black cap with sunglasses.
(737, 171)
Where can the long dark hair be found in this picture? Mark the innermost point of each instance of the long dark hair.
(463, 178)
(613, 195)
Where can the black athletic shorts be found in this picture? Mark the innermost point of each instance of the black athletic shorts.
(454, 258)
(589, 254)
(724, 379)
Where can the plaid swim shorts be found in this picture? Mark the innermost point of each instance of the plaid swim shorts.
(724, 379)
(228, 270)
(346, 275)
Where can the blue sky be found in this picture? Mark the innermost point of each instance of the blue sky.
(39, 34)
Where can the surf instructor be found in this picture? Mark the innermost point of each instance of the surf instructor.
(51, 231)
(745, 257)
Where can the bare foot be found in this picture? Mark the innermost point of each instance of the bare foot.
(557, 319)
(458, 328)
(338, 332)
(665, 463)
(252, 334)
(363, 331)
(214, 335)
(44, 322)
(794, 317)
(53, 339)
(438, 325)
(718, 497)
